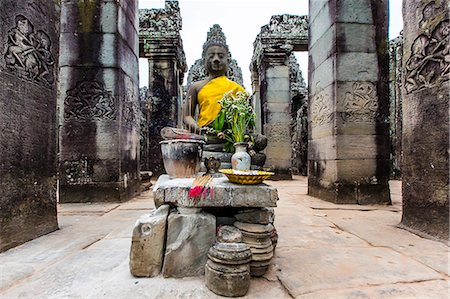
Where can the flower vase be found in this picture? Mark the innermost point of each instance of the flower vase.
(241, 160)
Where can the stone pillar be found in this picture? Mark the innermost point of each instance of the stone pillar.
(425, 167)
(348, 114)
(395, 99)
(98, 104)
(28, 72)
(276, 104)
(160, 42)
(256, 98)
(271, 82)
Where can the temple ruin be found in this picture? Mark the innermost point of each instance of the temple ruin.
(76, 129)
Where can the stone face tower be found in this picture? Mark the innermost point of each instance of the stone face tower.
(98, 101)
(348, 101)
(425, 144)
(28, 72)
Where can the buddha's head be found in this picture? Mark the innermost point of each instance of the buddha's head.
(216, 59)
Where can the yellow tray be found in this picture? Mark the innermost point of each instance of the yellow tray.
(247, 177)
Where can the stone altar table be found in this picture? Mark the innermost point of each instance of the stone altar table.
(225, 194)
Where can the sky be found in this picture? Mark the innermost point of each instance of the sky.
(241, 21)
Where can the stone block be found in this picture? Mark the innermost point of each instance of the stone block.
(277, 71)
(351, 37)
(322, 76)
(277, 107)
(225, 194)
(278, 132)
(277, 83)
(320, 22)
(315, 7)
(229, 234)
(357, 66)
(189, 237)
(342, 147)
(278, 96)
(323, 47)
(354, 11)
(148, 242)
(257, 216)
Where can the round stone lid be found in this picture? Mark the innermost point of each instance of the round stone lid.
(230, 253)
(254, 228)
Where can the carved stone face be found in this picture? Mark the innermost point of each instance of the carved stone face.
(216, 60)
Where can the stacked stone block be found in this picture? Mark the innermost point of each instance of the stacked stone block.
(348, 149)
(98, 104)
(28, 144)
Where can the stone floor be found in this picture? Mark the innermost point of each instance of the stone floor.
(324, 251)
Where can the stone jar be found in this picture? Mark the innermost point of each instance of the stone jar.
(241, 160)
(182, 157)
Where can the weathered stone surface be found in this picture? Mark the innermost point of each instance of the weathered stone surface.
(227, 282)
(229, 234)
(225, 193)
(349, 103)
(148, 242)
(189, 238)
(230, 253)
(98, 103)
(28, 121)
(258, 216)
(426, 124)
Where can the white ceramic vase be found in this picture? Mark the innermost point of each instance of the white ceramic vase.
(241, 160)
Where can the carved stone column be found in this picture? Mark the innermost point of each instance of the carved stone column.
(426, 87)
(28, 72)
(348, 114)
(272, 78)
(160, 42)
(98, 104)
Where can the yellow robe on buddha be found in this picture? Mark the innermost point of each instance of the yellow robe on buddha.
(209, 96)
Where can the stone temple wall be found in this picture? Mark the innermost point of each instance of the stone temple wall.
(98, 101)
(426, 87)
(28, 72)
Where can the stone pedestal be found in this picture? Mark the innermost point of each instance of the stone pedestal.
(28, 72)
(348, 148)
(226, 194)
(98, 104)
(425, 164)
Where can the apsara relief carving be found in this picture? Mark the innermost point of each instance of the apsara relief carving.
(429, 64)
(28, 52)
(89, 100)
(360, 103)
(321, 112)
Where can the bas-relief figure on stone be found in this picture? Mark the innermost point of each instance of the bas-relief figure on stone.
(321, 112)
(360, 103)
(89, 100)
(28, 52)
(429, 63)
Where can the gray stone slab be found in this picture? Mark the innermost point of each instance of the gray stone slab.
(323, 47)
(355, 37)
(425, 289)
(147, 243)
(310, 270)
(226, 194)
(357, 66)
(320, 23)
(354, 11)
(189, 237)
